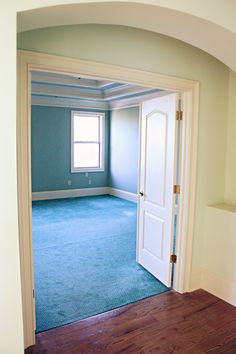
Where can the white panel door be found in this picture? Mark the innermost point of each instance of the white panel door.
(157, 178)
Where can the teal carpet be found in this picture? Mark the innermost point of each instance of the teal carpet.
(84, 259)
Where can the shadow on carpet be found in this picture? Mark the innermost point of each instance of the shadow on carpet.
(84, 259)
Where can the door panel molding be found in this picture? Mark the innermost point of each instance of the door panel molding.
(158, 159)
(28, 61)
(147, 122)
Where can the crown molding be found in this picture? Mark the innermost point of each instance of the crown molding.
(66, 91)
(67, 102)
(37, 100)
(117, 92)
(70, 80)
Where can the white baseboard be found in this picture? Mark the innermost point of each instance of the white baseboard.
(222, 288)
(69, 193)
(83, 192)
(123, 194)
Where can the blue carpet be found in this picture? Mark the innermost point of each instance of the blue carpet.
(84, 259)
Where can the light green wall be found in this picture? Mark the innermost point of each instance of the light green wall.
(218, 274)
(230, 181)
(157, 53)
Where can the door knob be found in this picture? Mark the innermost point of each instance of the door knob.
(141, 193)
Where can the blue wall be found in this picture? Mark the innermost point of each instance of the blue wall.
(51, 152)
(124, 137)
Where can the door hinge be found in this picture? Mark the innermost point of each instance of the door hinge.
(176, 189)
(33, 293)
(179, 115)
(173, 258)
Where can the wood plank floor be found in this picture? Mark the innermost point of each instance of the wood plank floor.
(167, 323)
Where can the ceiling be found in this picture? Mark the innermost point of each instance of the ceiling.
(54, 89)
(188, 21)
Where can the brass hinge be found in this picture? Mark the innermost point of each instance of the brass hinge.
(173, 258)
(179, 115)
(176, 189)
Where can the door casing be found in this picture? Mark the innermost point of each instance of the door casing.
(32, 61)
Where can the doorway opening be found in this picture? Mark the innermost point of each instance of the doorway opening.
(151, 220)
(103, 164)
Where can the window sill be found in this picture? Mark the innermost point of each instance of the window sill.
(83, 170)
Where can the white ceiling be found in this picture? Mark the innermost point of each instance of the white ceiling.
(210, 25)
(53, 89)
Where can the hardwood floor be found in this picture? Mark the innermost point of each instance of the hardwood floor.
(168, 323)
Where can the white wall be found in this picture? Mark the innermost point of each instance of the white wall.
(11, 331)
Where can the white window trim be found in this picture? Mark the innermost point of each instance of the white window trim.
(102, 142)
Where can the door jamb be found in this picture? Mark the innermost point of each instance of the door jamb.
(28, 61)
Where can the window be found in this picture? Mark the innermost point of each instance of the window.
(87, 141)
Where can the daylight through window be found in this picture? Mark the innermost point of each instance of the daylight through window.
(87, 141)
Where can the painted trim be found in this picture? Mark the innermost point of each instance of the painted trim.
(222, 288)
(24, 202)
(55, 101)
(132, 197)
(100, 141)
(49, 78)
(118, 91)
(32, 61)
(187, 197)
(68, 103)
(53, 90)
(70, 81)
(69, 193)
(139, 175)
(84, 192)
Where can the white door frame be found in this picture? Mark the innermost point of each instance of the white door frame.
(28, 61)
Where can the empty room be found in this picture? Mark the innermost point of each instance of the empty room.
(99, 235)
(118, 194)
